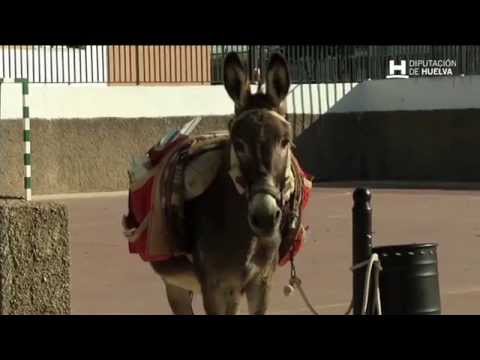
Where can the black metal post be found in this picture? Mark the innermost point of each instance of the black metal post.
(361, 242)
(250, 61)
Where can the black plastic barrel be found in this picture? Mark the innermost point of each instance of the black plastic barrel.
(409, 281)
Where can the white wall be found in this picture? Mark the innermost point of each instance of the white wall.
(433, 93)
(53, 101)
(316, 98)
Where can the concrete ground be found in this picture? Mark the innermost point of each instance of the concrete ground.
(106, 279)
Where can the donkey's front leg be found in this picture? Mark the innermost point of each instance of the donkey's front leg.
(258, 295)
(221, 298)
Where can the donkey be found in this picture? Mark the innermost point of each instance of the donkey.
(236, 235)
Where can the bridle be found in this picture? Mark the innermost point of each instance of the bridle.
(263, 186)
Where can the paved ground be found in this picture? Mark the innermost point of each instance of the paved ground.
(106, 279)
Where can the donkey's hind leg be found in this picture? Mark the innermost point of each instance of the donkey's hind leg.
(180, 283)
(180, 300)
(178, 271)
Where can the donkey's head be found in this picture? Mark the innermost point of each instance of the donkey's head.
(261, 138)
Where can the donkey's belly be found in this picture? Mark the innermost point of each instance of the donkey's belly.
(188, 281)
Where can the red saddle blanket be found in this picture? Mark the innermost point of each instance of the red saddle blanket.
(297, 233)
(151, 197)
(156, 193)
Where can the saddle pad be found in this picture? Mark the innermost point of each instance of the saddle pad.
(159, 184)
(149, 234)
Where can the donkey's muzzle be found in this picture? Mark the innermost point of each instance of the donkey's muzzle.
(264, 215)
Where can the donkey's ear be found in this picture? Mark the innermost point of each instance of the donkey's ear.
(278, 79)
(235, 78)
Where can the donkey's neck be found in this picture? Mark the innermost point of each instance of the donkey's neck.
(221, 232)
(234, 208)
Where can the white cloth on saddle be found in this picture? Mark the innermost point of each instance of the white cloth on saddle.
(200, 173)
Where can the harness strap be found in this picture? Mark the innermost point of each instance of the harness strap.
(266, 189)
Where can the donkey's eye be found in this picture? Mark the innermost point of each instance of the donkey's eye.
(284, 143)
(239, 146)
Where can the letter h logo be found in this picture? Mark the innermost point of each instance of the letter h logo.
(402, 68)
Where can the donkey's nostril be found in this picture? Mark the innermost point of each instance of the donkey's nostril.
(262, 221)
(256, 221)
(265, 221)
(277, 214)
